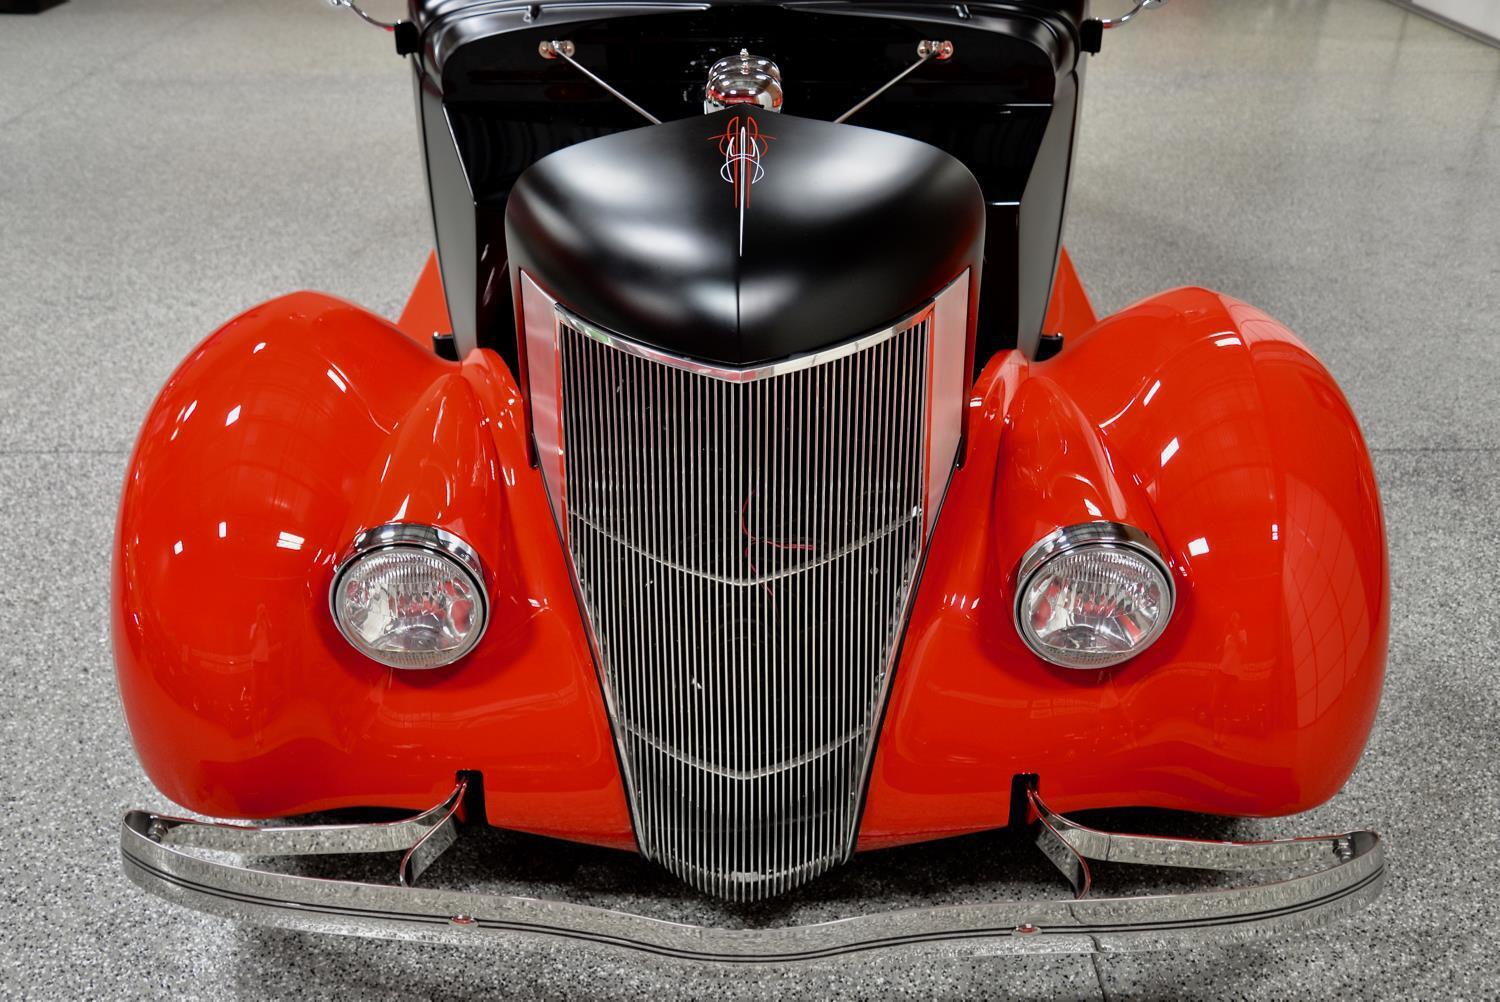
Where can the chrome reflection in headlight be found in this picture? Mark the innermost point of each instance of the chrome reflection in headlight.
(410, 596)
(1092, 595)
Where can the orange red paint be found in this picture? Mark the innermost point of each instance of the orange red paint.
(1190, 415)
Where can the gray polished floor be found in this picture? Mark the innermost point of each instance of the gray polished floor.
(164, 165)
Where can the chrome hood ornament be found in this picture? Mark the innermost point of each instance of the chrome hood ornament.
(743, 79)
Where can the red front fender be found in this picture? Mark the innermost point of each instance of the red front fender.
(288, 430)
(1206, 423)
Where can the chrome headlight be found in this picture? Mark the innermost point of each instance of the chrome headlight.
(410, 596)
(1092, 595)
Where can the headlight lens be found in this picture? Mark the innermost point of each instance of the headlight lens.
(1092, 595)
(410, 596)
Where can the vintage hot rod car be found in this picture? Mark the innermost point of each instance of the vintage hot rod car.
(747, 488)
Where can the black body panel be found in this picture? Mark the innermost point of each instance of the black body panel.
(657, 235)
(1005, 106)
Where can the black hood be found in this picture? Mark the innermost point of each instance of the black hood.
(745, 236)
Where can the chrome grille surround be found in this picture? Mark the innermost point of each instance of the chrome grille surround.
(745, 543)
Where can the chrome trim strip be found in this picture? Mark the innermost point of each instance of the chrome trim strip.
(750, 374)
(948, 389)
(542, 366)
(771, 578)
(1348, 871)
(948, 335)
(1086, 533)
(427, 537)
(544, 391)
(742, 774)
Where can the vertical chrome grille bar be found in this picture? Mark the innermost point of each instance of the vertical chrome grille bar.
(745, 544)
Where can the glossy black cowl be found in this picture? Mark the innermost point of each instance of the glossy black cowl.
(846, 231)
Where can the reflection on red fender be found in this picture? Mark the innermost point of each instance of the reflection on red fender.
(1207, 424)
(294, 426)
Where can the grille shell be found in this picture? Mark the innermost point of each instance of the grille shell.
(745, 543)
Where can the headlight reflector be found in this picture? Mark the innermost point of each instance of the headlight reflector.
(410, 596)
(1092, 595)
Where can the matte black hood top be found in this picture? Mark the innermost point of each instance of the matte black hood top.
(745, 236)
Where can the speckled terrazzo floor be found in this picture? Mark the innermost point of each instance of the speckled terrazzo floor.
(163, 165)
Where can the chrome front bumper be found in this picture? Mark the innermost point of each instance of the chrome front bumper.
(1346, 873)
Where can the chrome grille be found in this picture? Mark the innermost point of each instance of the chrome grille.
(745, 543)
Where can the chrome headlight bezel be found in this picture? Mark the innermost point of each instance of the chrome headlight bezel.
(413, 536)
(1104, 535)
